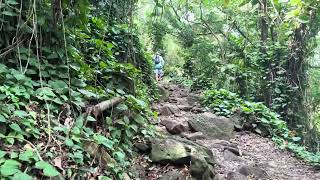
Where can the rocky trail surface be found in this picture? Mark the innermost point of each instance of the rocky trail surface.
(196, 144)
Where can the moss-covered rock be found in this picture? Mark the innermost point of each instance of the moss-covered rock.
(179, 151)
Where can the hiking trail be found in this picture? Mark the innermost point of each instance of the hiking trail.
(196, 144)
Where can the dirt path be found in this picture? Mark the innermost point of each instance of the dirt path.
(254, 151)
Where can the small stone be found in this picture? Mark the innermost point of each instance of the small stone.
(126, 176)
(272, 164)
(234, 149)
(175, 127)
(229, 156)
(173, 100)
(198, 110)
(218, 177)
(251, 170)
(143, 147)
(173, 174)
(236, 176)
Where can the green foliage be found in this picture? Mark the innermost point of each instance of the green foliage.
(56, 69)
(258, 118)
(158, 30)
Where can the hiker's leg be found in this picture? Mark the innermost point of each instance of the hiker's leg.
(161, 74)
(157, 74)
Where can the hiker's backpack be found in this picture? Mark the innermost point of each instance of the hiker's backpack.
(157, 60)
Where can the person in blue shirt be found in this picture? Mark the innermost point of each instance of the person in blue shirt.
(158, 66)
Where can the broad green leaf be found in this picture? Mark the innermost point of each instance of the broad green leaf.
(19, 76)
(2, 118)
(21, 176)
(87, 93)
(103, 140)
(48, 169)
(9, 13)
(58, 84)
(2, 154)
(119, 155)
(90, 118)
(12, 2)
(139, 119)
(13, 155)
(9, 167)
(16, 127)
(20, 113)
(25, 156)
(69, 142)
(296, 139)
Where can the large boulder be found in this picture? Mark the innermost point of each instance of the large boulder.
(168, 150)
(193, 99)
(200, 169)
(169, 109)
(180, 151)
(215, 127)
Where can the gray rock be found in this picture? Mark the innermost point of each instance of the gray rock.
(169, 109)
(229, 156)
(193, 136)
(213, 126)
(173, 174)
(236, 176)
(179, 151)
(198, 110)
(165, 111)
(126, 176)
(185, 107)
(252, 170)
(174, 127)
(166, 151)
(234, 149)
(173, 100)
(200, 169)
(193, 99)
(143, 147)
(218, 177)
(163, 93)
(161, 131)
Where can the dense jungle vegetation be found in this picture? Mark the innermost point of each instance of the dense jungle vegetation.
(77, 82)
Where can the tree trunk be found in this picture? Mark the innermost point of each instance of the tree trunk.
(264, 40)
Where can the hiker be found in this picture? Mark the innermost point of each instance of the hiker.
(158, 66)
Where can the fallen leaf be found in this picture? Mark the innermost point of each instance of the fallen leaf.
(58, 163)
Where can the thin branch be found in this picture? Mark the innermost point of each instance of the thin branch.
(210, 29)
